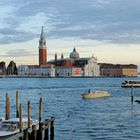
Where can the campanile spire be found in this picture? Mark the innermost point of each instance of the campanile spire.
(42, 41)
(42, 36)
(42, 49)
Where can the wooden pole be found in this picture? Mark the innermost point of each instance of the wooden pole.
(25, 134)
(46, 131)
(17, 108)
(40, 110)
(33, 135)
(29, 114)
(20, 118)
(52, 129)
(7, 116)
(132, 93)
(39, 132)
(6, 106)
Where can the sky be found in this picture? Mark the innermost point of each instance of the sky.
(107, 29)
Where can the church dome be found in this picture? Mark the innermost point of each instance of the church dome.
(74, 54)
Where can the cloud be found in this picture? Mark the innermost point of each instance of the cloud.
(11, 36)
(114, 20)
(19, 53)
(30, 23)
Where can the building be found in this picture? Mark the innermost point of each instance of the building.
(35, 70)
(42, 49)
(75, 66)
(91, 69)
(43, 69)
(111, 70)
(68, 71)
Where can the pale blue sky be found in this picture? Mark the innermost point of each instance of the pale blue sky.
(109, 29)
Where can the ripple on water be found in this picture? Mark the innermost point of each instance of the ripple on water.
(113, 118)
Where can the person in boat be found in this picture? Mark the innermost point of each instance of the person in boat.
(89, 91)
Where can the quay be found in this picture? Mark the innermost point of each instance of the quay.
(42, 130)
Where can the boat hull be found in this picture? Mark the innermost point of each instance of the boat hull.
(95, 95)
(9, 128)
(130, 86)
(7, 136)
(131, 83)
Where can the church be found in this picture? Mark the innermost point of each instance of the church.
(74, 66)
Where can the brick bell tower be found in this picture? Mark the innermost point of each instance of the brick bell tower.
(42, 49)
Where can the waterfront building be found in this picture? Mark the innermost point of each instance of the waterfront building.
(23, 70)
(118, 70)
(76, 66)
(68, 71)
(42, 49)
(35, 70)
(92, 69)
(43, 69)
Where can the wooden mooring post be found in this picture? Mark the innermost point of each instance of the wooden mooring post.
(39, 132)
(28, 135)
(33, 135)
(132, 94)
(25, 134)
(20, 120)
(44, 130)
(17, 107)
(7, 115)
(49, 124)
(52, 128)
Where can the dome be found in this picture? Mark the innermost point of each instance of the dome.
(74, 54)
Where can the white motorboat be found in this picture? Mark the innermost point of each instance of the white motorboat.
(131, 83)
(94, 95)
(10, 127)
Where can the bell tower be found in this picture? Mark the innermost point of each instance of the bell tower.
(42, 49)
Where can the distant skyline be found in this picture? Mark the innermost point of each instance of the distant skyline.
(108, 29)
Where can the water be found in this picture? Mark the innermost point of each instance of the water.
(112, 118)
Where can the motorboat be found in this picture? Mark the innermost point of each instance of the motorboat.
(131, 83)
(94, 95)
(10, 127)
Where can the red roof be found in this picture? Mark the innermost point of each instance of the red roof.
(47, 66)
(33, 66)
(42, 66)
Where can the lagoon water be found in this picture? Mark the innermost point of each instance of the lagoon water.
(112, 118)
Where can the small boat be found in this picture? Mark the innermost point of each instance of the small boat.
(10, 127)
(94, 95)
(131, 83)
